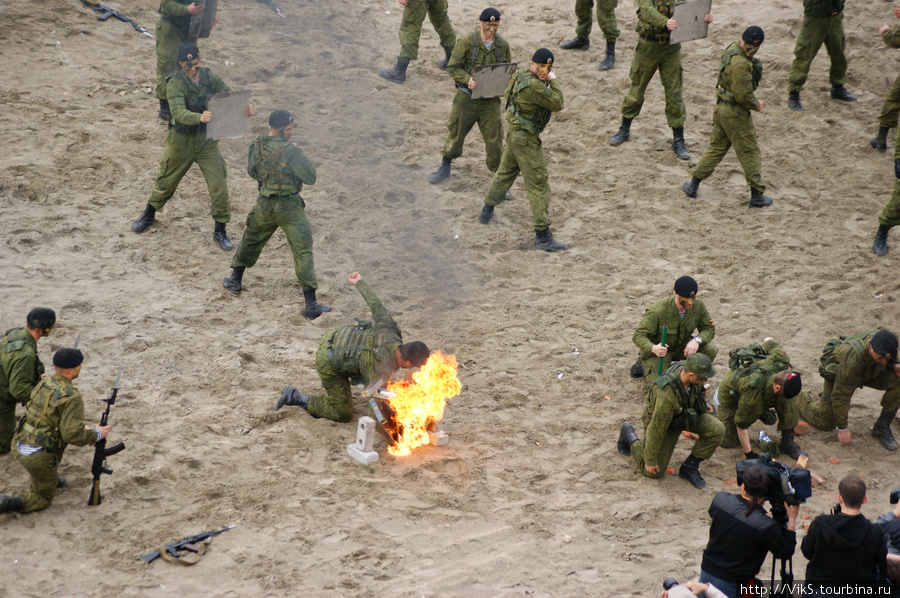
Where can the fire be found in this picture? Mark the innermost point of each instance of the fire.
(420, 403)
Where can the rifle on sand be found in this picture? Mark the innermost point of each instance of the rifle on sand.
(175, 551)
(98, 467)
(107, 12)
(271, 4)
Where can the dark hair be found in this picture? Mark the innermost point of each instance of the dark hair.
(415, 353)
(756, 483)
(884, 343)
(41, 318)
(853, 490)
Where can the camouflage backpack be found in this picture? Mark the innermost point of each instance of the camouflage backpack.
(753, 358)
(828, 369)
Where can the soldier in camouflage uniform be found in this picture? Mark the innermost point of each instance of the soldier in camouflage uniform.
(823, 22)
(676, 403)
(890, 214)
(480, 47)
(864, 359)
(653, 52)
(764, 389)
(20, 368)
(682, 313)
(531, 96)
(363, 353)
(739, 76)
(281, 168)
(414, 12)
(54, 420)
(890, 109)
(172, 30)
(186, 143)
(606, 18)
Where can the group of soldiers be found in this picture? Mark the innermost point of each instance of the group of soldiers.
(675, 337)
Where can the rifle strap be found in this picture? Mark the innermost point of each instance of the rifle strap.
(187, 557)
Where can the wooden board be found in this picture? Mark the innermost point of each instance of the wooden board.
(229, 115)
(492, 79)
(201, 23)
(689, 15)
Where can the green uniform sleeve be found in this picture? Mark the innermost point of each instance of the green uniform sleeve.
(545, 96)
(752, 391)
(301, 167)
(648, 329)
(251, 160)
(71, 422)
(659, 424)
(171, 8)
(741, 83)
(216, 84)
(175, 94)
(459, 58)
(849, 377)
(891, 37)
(21, 368)
(647, 12)
(378, 310)
(705, 327)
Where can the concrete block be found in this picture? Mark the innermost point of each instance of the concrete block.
(362, 450)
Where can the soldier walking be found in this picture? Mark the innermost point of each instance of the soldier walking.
(606, 19)
(414, 12)
(890, 109)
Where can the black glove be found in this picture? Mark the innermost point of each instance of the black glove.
(750, 455)
(768, 417)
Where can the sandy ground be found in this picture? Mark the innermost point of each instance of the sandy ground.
(530, 497)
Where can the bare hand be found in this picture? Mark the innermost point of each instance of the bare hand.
(708, 18)
(213, 24)
(883, 27)
(250, 110)
(768, 338)
(195, 9)
(206, 116)
(402, 2)
(671, 24)
(696, 587)
(355, 278)
(652, 469)
(691, 348)
(844, 436)
(709, 408)
(472, 83)
(551, 76)
(897, 12)
(792, 512)
(660, 350)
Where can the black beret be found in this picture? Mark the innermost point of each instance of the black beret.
(685, 286)
(543, 56)
(188, 52)
(67, 358)
(753, 35)
(280, 118)
(792, 385)
(489, 15)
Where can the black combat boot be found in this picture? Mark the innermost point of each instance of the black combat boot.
(794, 101)
(691, 187)
(879, 247)
(610, 59)
(758, 200)
(579, 43)
(233, 283)
(443, 62)
(61, 482)
(313, 310)
(787, 446)
(164, 112)
(839, 92)
(487, 212)
(221, 237)
(626, 438)
(9, 504)
(881, 431)
(637, 370)
(397, 73)
(690, 471)
(145, 219)
(879, 142)
(623, 133)
(442, 172)
(293, 397)
(545, 241)
(678, 144)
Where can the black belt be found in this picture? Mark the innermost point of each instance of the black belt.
(662, 39)
(721, 101)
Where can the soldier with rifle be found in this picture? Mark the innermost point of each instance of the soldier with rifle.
(54, 420)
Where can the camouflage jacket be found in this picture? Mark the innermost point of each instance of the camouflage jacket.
(529, 102)
(55, 417)
(681, 330)
(470, 52)
(652, 18)
(20, 368)
(752, 391)
(891, 37)
(369, 353)
(823, 8)
(188, 100)
(739, 76)
(280, 167)
(176, 13)
(855, 367)
(669, 404)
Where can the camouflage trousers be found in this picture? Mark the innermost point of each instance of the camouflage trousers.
(465, 113)
(650, 56)
(890, 110)
(168, 40)
(890, 214)
(651, 365)
(337, 403)
(785, 409)
(706, 426)
(606, 18)
(732, 126)
(814, 31)
(820, 414)
(182, 151)
(523, 153)
(411, 26)
(7, 424)
(42, 466)
(271, 213)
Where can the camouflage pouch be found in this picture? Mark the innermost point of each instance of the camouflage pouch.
(768, 417)
(829, 370)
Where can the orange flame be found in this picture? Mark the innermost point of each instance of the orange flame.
(420, 403)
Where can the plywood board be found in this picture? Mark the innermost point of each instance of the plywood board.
(492, 79)
(689, 15)
(201, 23)
(229, 118)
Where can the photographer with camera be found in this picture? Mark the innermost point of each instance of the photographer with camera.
(742, 534)
(890, 525)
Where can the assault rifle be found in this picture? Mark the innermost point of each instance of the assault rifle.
(107, 12)
(98, 467)
(175, 550)
(271, 5)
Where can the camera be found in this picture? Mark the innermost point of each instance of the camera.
(786, 484)
(669, 583)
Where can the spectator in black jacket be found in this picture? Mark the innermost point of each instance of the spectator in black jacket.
(845, 546)
(741, 534)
